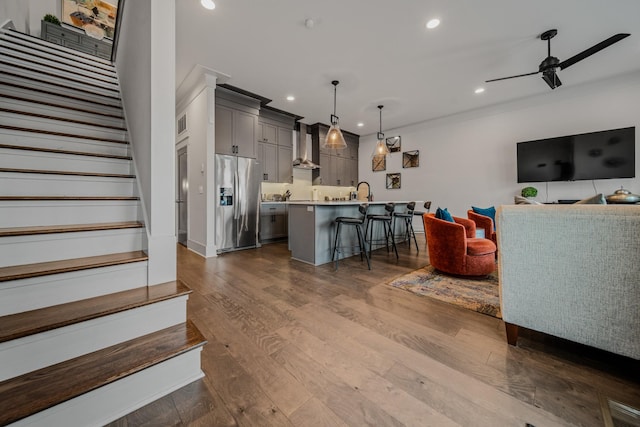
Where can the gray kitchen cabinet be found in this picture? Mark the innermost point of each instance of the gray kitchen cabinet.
(338, 167)
(236, 123)
(285, 137)
(268, 159)
(75, 39)
(274, 221)
(275, 129)
(285, 164)
(267, 133)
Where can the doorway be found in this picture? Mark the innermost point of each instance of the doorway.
(183, 191)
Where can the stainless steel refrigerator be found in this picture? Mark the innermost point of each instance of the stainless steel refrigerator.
(238, 199)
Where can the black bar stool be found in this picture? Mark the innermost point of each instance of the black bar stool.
(427, 207)
(358, 224)
(407, 217)
(386, 220)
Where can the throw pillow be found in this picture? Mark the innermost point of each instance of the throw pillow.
(490, 212)
(444, 215)
(598, 199)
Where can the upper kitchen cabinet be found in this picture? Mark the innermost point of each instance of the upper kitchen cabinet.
(275, 134)
(236, 123)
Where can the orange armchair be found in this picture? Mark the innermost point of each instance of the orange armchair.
(484, 222)
(453, 247)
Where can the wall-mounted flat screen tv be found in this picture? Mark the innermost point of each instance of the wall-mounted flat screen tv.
(596, 155)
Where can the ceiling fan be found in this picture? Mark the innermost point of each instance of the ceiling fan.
(551, 63)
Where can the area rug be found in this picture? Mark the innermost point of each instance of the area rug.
(480, 295)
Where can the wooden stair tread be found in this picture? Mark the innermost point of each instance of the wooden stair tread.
(61, 119)
(31, 322)
(66, 135)
(50, 172)
(53, 104)
(69, 198)
(32, 55)
(26, 271)
(50, 92)
(61, 85)
(44, 388)
(57, 151)
(37, 43)
(70, 228)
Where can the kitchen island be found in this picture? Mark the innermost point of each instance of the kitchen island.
(312, 228)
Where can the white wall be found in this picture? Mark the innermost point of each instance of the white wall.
(27, 14)
(145, 64)
(470, 158)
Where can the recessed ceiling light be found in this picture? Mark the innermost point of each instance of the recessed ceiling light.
(291, 98)
(360, 124)
(479, 90)
(433, 23)
(208, 4)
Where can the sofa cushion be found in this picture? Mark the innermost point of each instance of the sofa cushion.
(598, 199)
(479, 246)
(490, 212)
(444, 215)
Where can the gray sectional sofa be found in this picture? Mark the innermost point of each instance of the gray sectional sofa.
(572, 271)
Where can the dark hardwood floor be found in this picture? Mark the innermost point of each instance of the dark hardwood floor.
(293, 344)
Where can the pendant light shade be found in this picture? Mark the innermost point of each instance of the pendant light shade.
(335, 139)
(381, 148)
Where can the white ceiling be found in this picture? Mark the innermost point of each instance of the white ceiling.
(381, 52)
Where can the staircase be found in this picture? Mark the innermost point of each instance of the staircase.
(84, 339)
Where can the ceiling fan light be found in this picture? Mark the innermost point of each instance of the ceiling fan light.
(208, 4)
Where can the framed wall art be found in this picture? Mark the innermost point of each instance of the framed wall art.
(96, 17)
(393, 144)
(411, 159)
(379, 163)
(393, 181)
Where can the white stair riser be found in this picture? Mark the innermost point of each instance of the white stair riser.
(60, 99)
(65, 113)
(48, 348)
(17, 250)
(61, 70)
(68, 55)
(21, 295)
(26, 184)
(66, 90)
(31, 139)
(113, 401)
(60, 79)
(30, 213)
(51, 125)
(23, 159)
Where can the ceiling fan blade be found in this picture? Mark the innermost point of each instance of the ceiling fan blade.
(512, 77)
(593, 49)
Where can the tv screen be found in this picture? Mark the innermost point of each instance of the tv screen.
(596, 155)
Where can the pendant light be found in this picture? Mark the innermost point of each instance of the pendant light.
(334, 139)
(381, 146)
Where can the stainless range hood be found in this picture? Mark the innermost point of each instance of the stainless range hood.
(303, 161)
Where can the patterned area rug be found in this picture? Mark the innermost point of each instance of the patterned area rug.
(480, 295)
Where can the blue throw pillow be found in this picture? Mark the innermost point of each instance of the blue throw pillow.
(490, 212)
(444, 215)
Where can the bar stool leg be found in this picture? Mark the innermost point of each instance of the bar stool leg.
(363, 249)
(411, 232)
(335, 245)
(390, 235)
